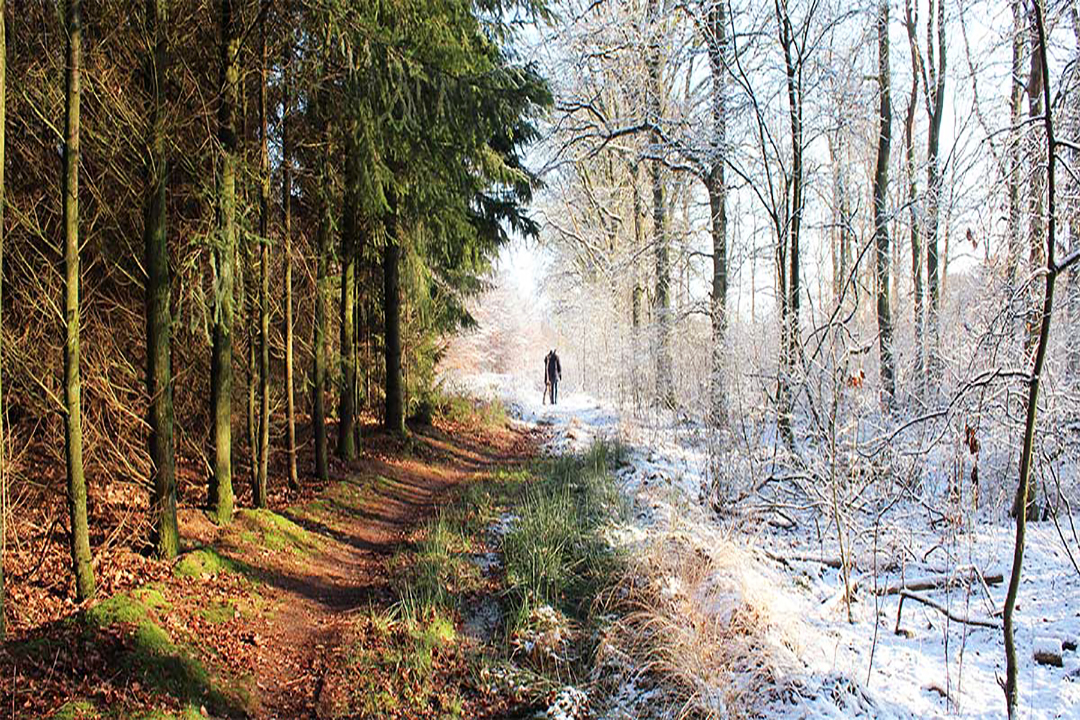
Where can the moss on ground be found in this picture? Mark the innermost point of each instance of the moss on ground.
(152, 597)
(277, 532)
(122, 608)
(395, 671)
(155, 658)
(218, 612)
(79, 709)
(204, 561)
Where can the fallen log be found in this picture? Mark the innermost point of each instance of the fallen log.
(786, 560)
(966, 575)
(1048, 651)
(977, 622)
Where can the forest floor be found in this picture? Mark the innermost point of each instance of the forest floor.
(309, 611)
(745, 616)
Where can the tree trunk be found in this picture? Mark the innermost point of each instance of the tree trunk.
(664, 389)
(395, 411)
(911, 23)
(260, 498)
(789, 276)
(319, 328)
(3, 197)
(1014, 161)
(718, 51)
(286, 231)
(166, 535)
(935, 106)
(1027, 451)
(346, 398)
(637, 290)
(880, 191)
(1036, 188)
(221, 491)
(76, 481)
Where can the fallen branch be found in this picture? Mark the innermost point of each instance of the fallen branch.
(965, 575)
(786, 560)
(978, 622)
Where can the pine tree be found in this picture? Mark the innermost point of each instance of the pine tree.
(158, 290)
(260, 496)
(3, 467)
(221, 491)
(286, 231)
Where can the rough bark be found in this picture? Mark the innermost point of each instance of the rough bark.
(662, 302)
(717, 191)
(166, 535)
(395, 411)
(637, 291)
(1036, 189)
(1028, 448)
(319, 327)
(3, 197)
(221, 490)
(935, 101)
(789, 239)
(1016, 94)
(76, 480)
(286, 230)
(349, 243)
(881, 220)
(911, 24)
(260, 495)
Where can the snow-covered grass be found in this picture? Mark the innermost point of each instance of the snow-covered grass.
(748, 617)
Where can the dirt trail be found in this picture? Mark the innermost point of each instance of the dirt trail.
(363, 520)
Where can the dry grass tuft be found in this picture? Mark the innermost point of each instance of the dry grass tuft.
(702, 631)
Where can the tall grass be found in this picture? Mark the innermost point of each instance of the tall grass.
(555, 554)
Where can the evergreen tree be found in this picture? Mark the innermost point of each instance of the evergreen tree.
(158, 291)
(221, 491)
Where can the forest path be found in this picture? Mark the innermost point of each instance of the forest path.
(363, 520)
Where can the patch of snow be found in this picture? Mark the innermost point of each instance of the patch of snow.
(935, 667)
(570, 703)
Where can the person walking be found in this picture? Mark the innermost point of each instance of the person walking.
(552, 376)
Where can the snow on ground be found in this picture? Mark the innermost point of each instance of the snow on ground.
(935, 667)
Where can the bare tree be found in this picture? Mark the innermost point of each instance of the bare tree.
(1051, 269)
(881, 218)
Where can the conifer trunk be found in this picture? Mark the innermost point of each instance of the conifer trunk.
(346, 398)
(3, 197)
(319, 329)
(221, 491)
(76, 481)
(395, 411)
(286, 230)
(264, 280)
(158, 290)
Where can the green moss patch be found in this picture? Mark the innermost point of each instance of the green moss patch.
(277, 532)
(218, 612)
(398, 668)
(205, 561)
(121, 608)
(152, 597)
(77, 710)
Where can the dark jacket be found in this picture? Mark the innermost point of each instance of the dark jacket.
(552, 368)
